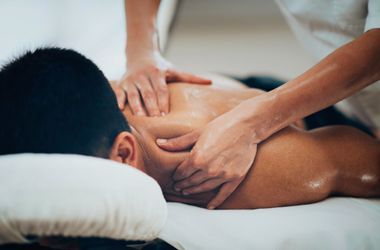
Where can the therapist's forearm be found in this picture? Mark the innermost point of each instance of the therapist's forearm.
(141, 26)
(339, 75)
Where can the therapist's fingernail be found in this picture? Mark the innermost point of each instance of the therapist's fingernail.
(161, 141)
(211, 207)
(185, 193)
(163, 114)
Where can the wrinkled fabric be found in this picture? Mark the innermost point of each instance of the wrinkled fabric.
(336, 223)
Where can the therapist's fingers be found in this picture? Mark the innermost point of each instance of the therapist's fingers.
(148, 96)
(188, 167)
(194, 180)
(225, 191)
(134, 100)
(184, 170)
(173, 75)
(180, 143)
(206, 186)
(121, 97)
(162, 92)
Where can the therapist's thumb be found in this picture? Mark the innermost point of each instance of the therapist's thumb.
(180, 143)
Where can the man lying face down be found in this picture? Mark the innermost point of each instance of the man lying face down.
(57, 101)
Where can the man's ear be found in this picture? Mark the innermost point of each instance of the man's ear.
(125, 149)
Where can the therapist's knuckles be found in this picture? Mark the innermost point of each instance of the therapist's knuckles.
(197, 161)
(214, 172)
(225, 174)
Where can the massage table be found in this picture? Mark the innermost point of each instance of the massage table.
(45, 195)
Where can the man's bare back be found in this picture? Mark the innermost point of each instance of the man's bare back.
(291, 167)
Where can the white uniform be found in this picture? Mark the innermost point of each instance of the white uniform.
(325, 25)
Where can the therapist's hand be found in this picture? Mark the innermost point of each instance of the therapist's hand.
(145, 83)
(223, 153)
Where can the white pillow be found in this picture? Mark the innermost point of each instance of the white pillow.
(77, 196)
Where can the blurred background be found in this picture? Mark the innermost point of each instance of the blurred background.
(240, 37)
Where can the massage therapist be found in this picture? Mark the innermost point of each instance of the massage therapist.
(343, 34)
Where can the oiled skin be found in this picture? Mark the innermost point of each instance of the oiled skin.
(291, 167)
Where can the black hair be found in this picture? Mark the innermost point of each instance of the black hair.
(56, 100)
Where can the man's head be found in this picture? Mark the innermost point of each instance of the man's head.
(57, 101)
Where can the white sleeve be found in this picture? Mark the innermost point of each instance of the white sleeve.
(373, 18)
